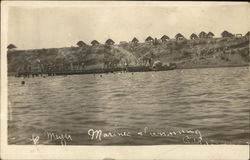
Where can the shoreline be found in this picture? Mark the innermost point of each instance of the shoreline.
(213, 66)
(178, 54)
(134, 69)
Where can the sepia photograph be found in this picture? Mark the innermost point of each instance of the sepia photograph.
(125, 74)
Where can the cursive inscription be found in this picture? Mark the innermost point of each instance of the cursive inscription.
(35, 139)
(63, 138)
(98, 134)
(189, 136)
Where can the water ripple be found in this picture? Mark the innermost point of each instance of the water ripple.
(215, 101)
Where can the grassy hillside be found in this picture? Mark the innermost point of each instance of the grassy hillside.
(185, 53)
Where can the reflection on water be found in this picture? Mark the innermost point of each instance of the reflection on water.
(213, 101)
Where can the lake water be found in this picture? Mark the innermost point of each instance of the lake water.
(144, 105)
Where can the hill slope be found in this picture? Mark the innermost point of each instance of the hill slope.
(185, 53)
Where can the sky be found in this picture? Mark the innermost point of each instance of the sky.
(32, 27)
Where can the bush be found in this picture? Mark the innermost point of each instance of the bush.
(245, 55)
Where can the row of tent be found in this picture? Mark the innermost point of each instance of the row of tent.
(164, 38)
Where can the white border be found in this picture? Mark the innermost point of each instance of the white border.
(233, 152)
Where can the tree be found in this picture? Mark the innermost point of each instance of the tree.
(155, 42)
(11, 46)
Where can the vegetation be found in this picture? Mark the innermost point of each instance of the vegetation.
(185, 53)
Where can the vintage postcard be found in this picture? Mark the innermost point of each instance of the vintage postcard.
(125, 80)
